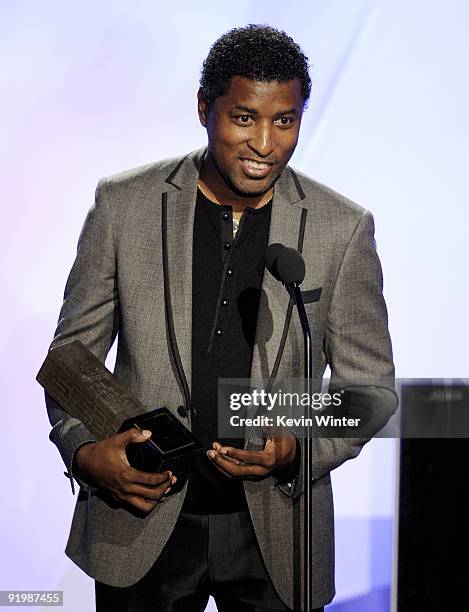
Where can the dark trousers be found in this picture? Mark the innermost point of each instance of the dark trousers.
(213, 554)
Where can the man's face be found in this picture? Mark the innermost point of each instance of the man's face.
(252, 132)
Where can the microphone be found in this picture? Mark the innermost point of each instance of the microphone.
(285, 264)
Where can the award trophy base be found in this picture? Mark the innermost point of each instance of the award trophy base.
(171, 445)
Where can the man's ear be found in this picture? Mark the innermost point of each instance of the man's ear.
(202, 107)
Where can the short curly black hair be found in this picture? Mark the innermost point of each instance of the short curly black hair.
(257, 52)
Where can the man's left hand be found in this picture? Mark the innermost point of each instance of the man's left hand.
(277, 456)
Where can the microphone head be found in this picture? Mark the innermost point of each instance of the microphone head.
(285, 264)
(271, 254)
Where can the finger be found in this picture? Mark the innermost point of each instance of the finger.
(220, 469)
(233, 460)
(151, 479)
(240, 470)
(133, 434)
(263, 457)
(149, 493)
(140, 503)
(211, 455)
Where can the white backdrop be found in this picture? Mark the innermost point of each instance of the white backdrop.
(90, 89)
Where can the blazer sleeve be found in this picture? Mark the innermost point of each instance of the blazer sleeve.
(358, 350)
(89, 313)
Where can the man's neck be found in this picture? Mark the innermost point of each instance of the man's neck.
(215, 189)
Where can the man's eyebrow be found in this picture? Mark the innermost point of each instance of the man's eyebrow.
(290, 111)
(253, 111)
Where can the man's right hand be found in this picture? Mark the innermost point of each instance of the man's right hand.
(104, 464)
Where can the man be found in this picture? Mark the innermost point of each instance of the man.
(171, 260)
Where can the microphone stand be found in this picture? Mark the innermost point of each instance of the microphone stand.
(295, 292)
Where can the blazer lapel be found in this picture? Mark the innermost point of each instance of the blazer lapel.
(180, 196)
(284, 228)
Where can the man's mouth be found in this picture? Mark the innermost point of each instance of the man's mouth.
(255, 169)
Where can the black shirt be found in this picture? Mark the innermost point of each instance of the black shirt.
(227, 278)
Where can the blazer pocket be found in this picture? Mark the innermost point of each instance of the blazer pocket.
(312, 295)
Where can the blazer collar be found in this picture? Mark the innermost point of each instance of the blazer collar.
(187, 170)
(185, 174)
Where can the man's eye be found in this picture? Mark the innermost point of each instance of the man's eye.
(284, 121)
(244, 118)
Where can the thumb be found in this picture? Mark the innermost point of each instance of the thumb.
(132, 435)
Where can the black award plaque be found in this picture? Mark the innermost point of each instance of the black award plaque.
(77, 380)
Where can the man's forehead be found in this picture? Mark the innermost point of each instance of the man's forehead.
(251, 93)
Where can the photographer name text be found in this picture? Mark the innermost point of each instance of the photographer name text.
(284, 421)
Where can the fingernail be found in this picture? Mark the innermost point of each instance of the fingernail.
(146, 433)
(211, 454)
(173, 480)
(223, 451)
(167, 491)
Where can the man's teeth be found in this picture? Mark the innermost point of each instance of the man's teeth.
(254, 164)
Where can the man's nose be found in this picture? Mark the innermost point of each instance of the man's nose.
(262, 140)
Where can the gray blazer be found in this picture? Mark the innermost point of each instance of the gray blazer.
(116, 287)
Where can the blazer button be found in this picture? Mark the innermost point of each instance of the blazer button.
(182, 411)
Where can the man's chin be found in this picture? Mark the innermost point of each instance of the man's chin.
(251, 194)
(251, 188)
